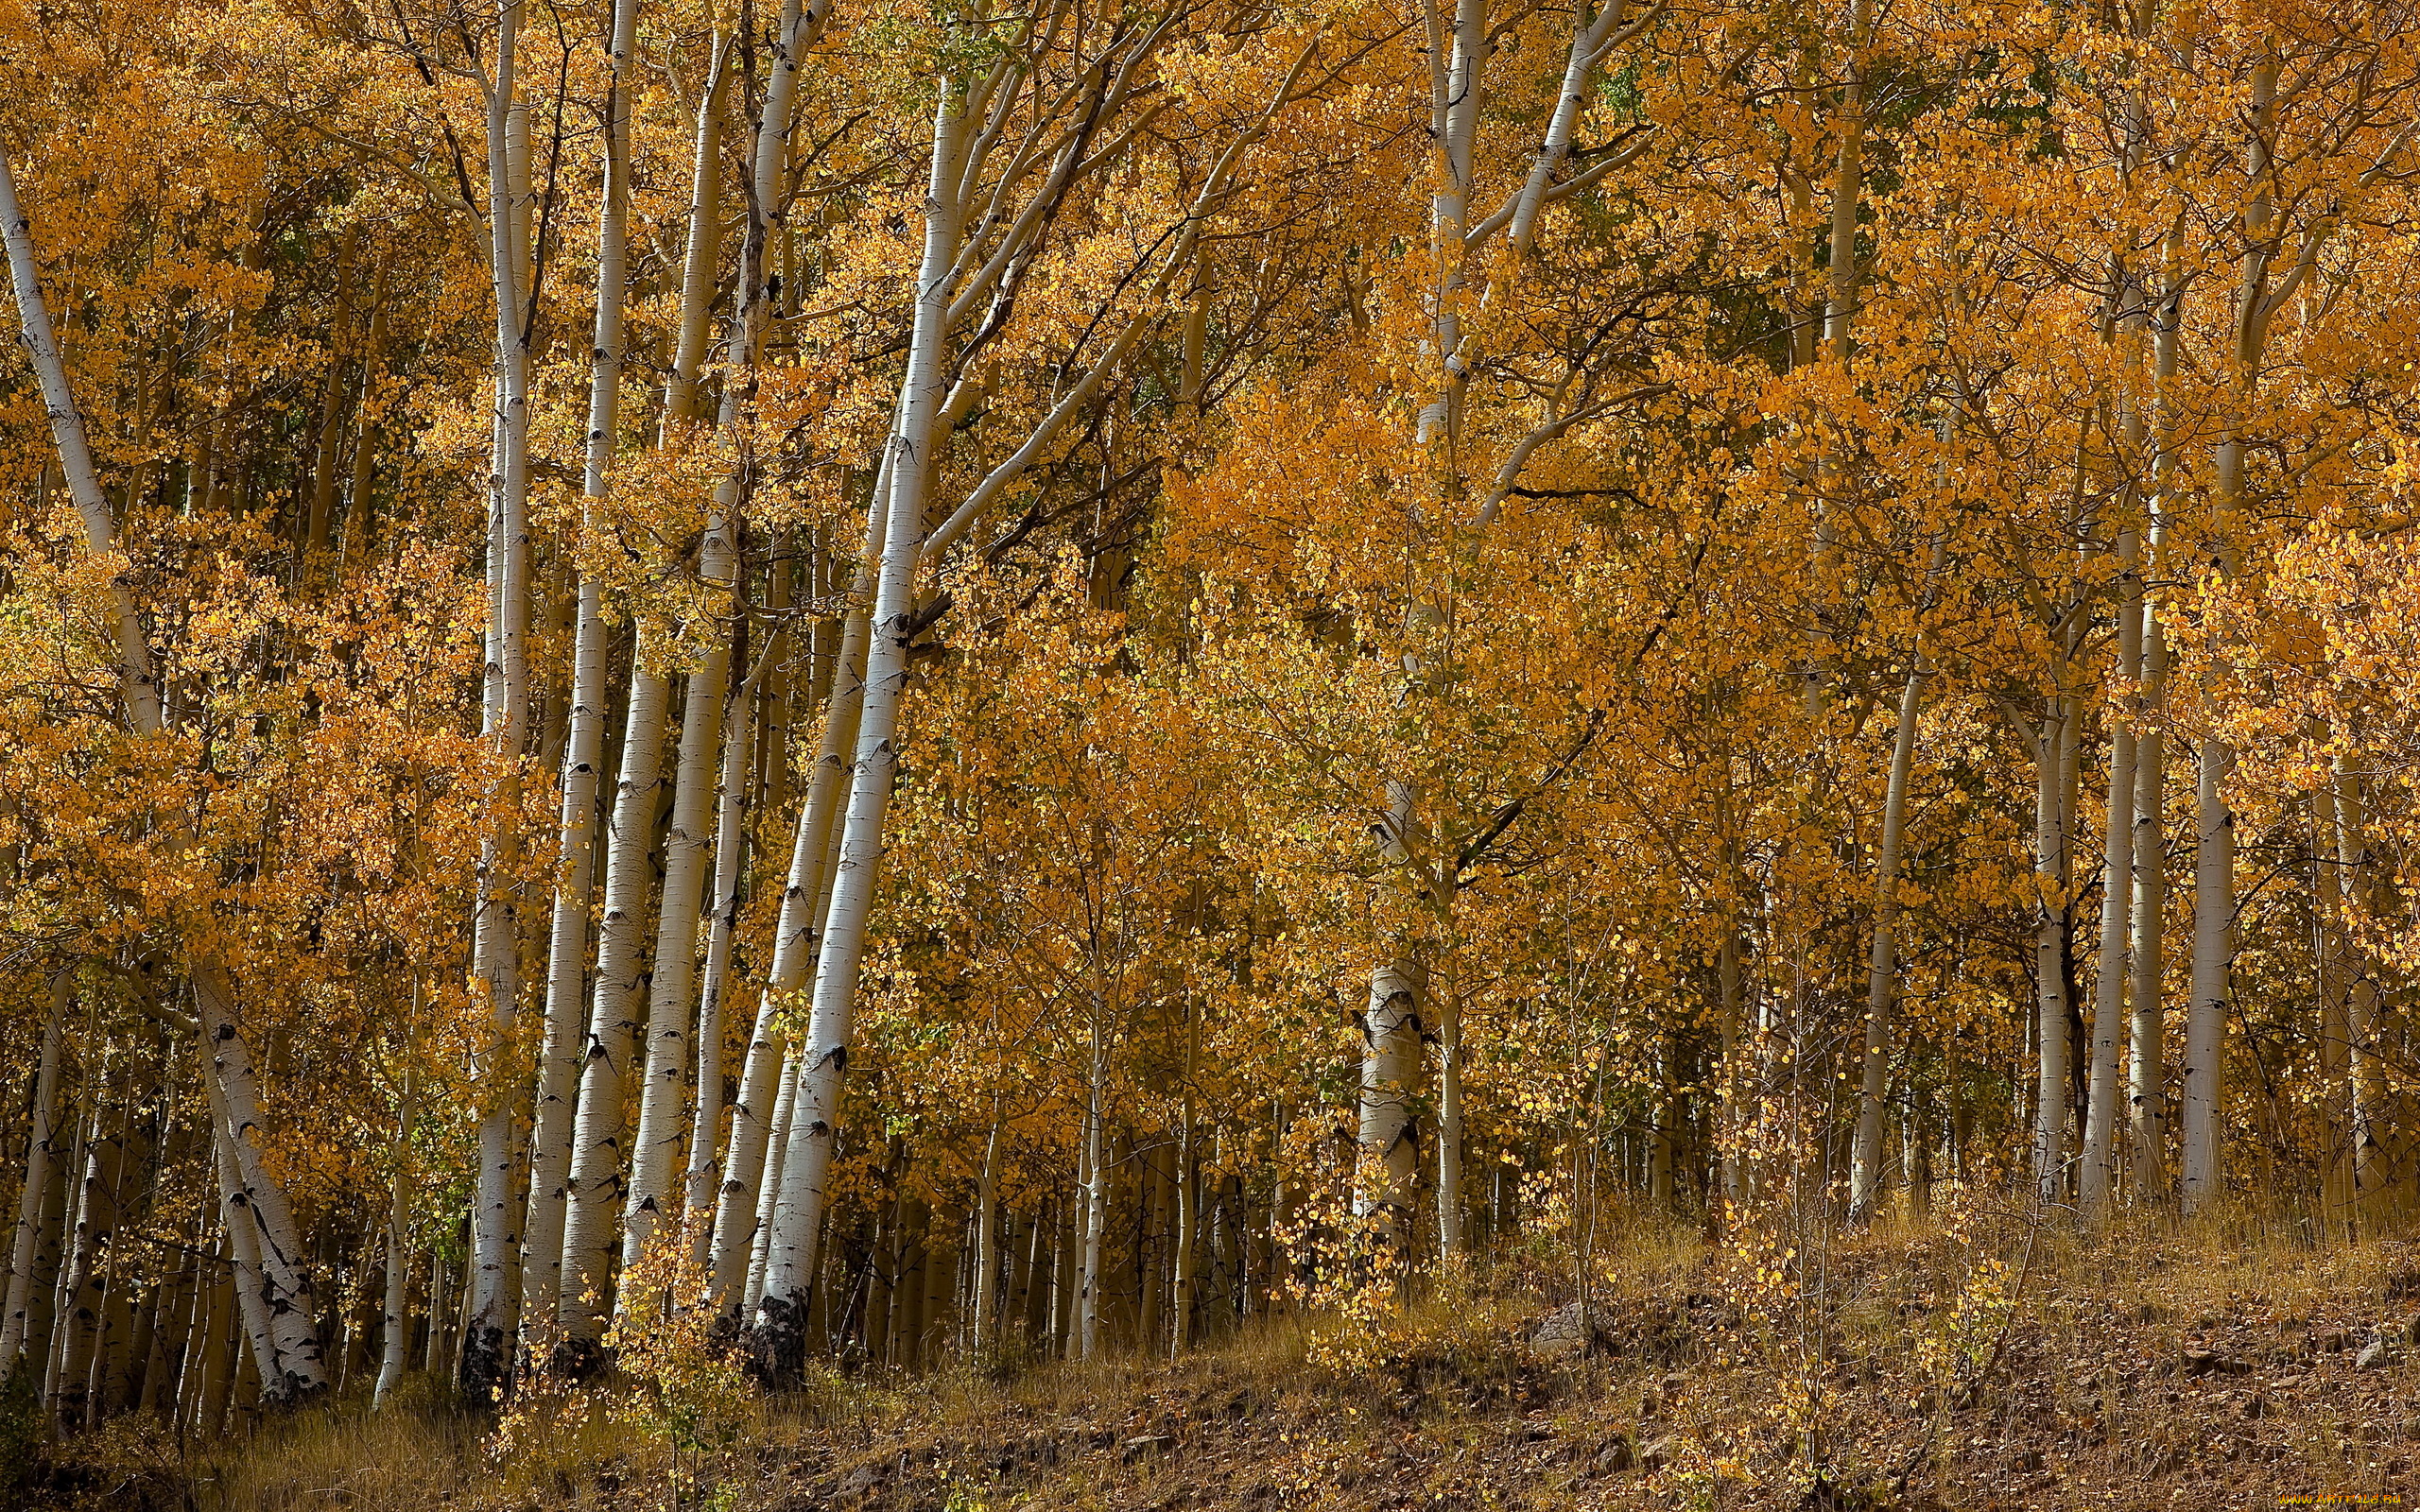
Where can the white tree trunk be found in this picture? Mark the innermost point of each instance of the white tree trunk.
(741, 1214)
(593, 1202)
(2363, 1093)
(699, 1178)
(699, 264)
(798, 1211)
(243, 1244)
(584, 741)
(2145, 1064)
(757, 1244)
(140, 692)
(665, 1095)
(2050, 954)
(741, 1217)
(496, 931)
(1882, 962)
(1095, 1197)
(26, 1242)
(2206, 1022)
(1388, 1142)
(2111, 1030)
(1449, 1127)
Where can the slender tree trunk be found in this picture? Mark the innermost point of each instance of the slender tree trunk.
(229, 1060)
(1882, 965)
(584, 746)
(1449, 1123)
(756, 1245)
(398, 1236)
(986, 1236)
(670, 998)
(2111, 1029)
(1188, 1222)
(1095, 1211)
(700, 1179)
(2363, 1093)
(2213, 949)
(593, 1200)
(252, 1297)
(495, 934)
(323, 468)
(798, 1207)
(27, 1242)
(2049, 953)
(741, 1220)
(355, 541)
(2147, 1058)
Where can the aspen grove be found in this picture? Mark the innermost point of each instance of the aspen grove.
(923, 679)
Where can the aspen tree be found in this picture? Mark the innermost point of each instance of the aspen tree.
(2110, 1027)
(28, 1239)
(494, 1293)
(292, 1368)
(583, 747)
(701, 724)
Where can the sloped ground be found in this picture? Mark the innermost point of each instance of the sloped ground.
(2144, 1373)
(2088, 1396)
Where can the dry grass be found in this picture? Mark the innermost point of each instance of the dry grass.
(2093, 1385)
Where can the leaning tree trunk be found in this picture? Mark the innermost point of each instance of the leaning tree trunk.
(229, 1061)
(780, 1322)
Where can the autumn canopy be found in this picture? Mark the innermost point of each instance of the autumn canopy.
(922, 676)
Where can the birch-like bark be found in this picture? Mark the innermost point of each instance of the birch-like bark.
(699, 1176)
(676, 951)
(1388, 1139)
(699, 264)
(584, 741)
(663, 1100)
(1095, 1197)
(395, 1316)
(139, 691)
(2050, 952)
(2145, 1052)
(781, 1316)
(594, 1198)
(2213, 951)
(2364, 1092)
(1592, 41)
(757, 1245)
(1449, 1126)
(494, 1295)
(742, 1215)
(243, 1244)
(986, 1236)
(1882, 963)
(2097, 1178)
(26, 1242)
(742, 1208)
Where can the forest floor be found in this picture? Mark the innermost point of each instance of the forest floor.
(1899, 1369)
